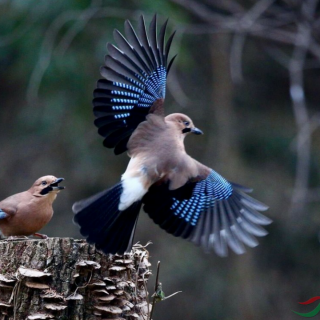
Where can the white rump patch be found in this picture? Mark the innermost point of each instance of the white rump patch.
(133, 191)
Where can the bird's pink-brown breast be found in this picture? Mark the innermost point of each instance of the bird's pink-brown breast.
(160, 154)
(26, 214)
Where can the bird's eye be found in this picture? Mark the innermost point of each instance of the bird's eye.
(44, 183)
(186, 123)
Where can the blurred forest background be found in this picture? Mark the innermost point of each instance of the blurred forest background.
(247, 73)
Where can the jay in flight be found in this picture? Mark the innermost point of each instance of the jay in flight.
(181, 195)
(25, 213)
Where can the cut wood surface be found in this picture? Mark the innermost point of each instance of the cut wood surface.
(64, 278)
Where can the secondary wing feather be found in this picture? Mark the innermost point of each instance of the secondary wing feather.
(212, 213)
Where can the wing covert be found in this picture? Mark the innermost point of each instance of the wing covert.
(3, 215)
(135, 75)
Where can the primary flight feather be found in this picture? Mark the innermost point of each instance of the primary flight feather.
(181, 195)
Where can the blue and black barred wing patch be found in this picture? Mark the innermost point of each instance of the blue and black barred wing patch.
(3, 215)
(212, 213)
(135, 75)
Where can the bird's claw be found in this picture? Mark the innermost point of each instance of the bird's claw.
(40, 235)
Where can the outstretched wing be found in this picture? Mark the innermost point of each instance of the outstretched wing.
(212, 213)
(135, 75)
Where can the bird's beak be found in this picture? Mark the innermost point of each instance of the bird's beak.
(54, 184)
(196, 131)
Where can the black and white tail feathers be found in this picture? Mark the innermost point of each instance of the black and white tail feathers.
(103, 224)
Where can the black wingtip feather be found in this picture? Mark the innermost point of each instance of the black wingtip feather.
(171, 62)
(153, 40)
(168, 45)
(125, 59)
(251, 202)
(115, 137)
(137, 50)
(108, 130)
(120, 68)
(143, 36)
(122, 145)
(162, 40)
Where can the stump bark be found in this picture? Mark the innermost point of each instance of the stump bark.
(63, 278)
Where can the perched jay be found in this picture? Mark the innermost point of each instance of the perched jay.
(25, 213)
(181, 195)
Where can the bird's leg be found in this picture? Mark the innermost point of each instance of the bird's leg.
(40, 235)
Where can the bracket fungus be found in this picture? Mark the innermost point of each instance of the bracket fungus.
(107, 298)
(71, 280)
(75, 296)
(7, 282)
(36, 285)
(55, 306)
(39, 315)
(88, 264)
(109, 309)
(32, 273)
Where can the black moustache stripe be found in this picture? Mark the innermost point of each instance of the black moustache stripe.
(46, 190)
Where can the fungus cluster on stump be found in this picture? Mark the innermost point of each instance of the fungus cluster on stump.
(68, 279)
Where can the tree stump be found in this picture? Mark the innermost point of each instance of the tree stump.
(63, 278)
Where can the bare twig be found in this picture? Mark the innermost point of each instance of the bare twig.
(246, 23)
(171, 295)
(228, 5)
(78, 26)
(148, 302)
(45, 54)
(236, 51)
(158, 294)
(297, 95)
(200, 10)
(155, 288)
(313, 195)
(29, 22)
(313, 123)
(48, 44)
